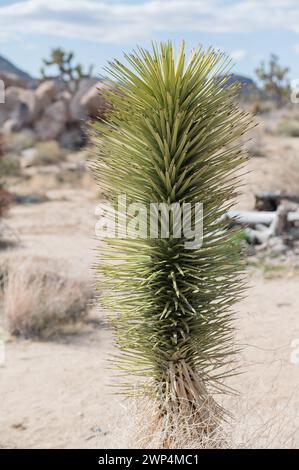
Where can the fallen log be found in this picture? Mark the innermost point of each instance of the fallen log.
(267, 201)
(258, 217)
(279, 227)
(262, 228)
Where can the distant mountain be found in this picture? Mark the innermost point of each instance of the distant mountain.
(248, 85)
(8, 67)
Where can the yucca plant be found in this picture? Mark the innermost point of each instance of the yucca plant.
(171, 138)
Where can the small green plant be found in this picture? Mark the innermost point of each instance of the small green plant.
(274, 79)
(48, 152)
(240, 236)
(169, 138)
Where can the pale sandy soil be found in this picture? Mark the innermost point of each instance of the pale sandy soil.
(57, 394)
(276, 168)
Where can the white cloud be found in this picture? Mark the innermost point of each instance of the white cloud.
(238, 54)
(296, 48)
(122, 21)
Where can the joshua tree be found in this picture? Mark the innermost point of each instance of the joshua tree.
(274, 80)
(67, 71)
(170, 138)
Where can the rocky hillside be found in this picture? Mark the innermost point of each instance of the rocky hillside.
(52, 110)
(247, 84)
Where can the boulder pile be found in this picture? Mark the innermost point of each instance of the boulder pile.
(51, 111)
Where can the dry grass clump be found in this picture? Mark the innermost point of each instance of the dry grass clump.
(176, 430)
(288, 128)
(10, 165)
(18, 141)
(255, 149)
(256, 424)
(48, 153)
(263, 107)
(38, 301)
(5, 200)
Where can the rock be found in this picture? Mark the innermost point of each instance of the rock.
(20, 105)
(72, 166)
(19, 96)
(28, 157)
(30, 198)
(12, 79)
(19, 426)
(77, 112)
(277, 246)
(66, 96)
(3, 117)
(11, 108)
(28, 98)
(11, 125)
(78, 156)
(11, 99)
(46, 93)
(94, 102)
(42, 170)
(72, 138)
(52, 122)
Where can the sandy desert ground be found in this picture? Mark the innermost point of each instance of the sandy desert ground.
(58, 394)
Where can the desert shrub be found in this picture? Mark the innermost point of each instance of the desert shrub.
(10, 165)
(19, 141)
(288, 128)
(47, 153)
(256, 148)
(38, 301)
(263, 107)
(5, 200)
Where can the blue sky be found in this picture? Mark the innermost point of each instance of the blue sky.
(99, 30)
